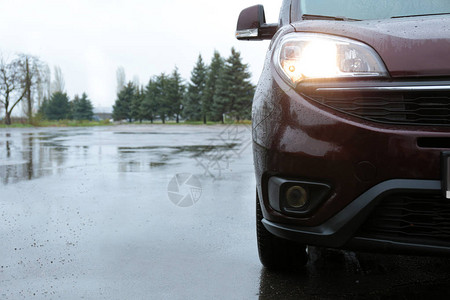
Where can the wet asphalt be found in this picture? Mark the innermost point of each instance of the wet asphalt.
(102, 213)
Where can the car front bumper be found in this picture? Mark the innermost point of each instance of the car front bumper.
(343, 229)
(361, 160)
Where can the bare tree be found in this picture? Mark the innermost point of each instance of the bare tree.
(58, 83)
(48, 82)
(31, 68)
(12, 89)
(43, 88)
(121, 79)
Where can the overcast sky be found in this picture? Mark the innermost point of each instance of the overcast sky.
(90, 39)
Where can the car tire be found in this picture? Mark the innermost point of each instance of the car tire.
(276, 253)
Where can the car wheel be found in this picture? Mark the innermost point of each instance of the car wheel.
(277, 253)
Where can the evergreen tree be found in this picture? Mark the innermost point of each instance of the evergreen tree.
(192, 107)
(122, 107)
(215, 69)
(234, 91)
(156, 101)
(162, 103)
(82, 108)
(175, 93)
(76, 107)
(43, 109)
(70, 114)
(136, 104)
(149, 103)
(221, 99)
(58, 107)
(88, 108)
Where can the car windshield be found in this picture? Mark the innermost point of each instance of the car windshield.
(373, 9)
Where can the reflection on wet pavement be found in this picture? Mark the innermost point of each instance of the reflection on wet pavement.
(140, 159)
(30, 155)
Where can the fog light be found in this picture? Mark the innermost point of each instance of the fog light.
(296, 197)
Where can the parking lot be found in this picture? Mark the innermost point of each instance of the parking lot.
(162, 212)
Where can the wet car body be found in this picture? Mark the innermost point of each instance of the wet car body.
(370, 153)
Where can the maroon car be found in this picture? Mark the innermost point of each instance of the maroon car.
(351, 127)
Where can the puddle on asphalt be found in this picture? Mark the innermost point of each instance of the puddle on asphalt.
(157, 164)
(135, 159)
(194, 149)
(32, 155)
(150, 133)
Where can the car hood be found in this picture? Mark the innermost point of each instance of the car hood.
(410, 47)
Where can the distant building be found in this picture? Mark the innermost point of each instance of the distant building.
(102, 113)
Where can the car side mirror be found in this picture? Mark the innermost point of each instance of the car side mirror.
(252, 25)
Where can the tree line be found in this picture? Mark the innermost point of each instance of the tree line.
(26, 79)
(220, 89)
(213, 92)
(60, 107)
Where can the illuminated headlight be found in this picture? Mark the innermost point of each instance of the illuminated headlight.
(302, 56)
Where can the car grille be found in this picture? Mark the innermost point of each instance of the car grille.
(409, 108)
(409, 217)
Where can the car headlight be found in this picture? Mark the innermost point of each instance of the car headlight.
(302, 56)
